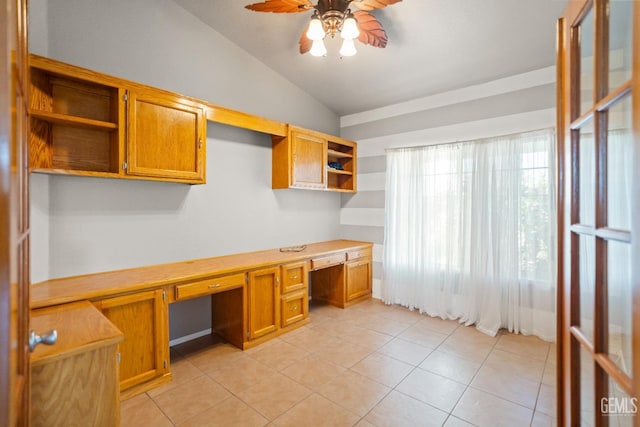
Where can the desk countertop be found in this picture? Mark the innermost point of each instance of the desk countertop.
(99, 285)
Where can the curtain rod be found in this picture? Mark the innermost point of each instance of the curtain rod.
(417, 147)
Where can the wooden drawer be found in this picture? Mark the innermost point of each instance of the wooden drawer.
(327, 261)
(358, 253)
(295, 307)
(294, 277)
(209, 286)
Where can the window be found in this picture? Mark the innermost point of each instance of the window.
(470, 228)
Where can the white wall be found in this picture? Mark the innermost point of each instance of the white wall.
(84, 225)
(159, 43)
(102, 224)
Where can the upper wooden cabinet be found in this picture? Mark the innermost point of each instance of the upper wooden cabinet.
(91, 124)
(165, 138)
(313, 160)
(307, 170)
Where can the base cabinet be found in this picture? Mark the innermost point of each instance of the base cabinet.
(359, 279)
(144, 353)
(277, 297)
(342, 279)
(263, 299)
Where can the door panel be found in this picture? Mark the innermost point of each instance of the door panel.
(619, 305)
(309, 154)
(165, 138)
(14, 218)
(598, 317)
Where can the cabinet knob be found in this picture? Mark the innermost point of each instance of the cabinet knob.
(48, 338)
(295, 307)
(294, 277)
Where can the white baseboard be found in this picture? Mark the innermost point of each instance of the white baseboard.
(190, 337)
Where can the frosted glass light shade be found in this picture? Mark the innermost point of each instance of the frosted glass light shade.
(315, 31)
(350, 29)
(348, 48)
(318, 48)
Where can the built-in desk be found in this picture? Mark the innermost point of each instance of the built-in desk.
(255, 297)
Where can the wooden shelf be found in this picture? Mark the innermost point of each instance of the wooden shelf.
(73, 172)
(339, 172)
(339, 154)
(65, 119)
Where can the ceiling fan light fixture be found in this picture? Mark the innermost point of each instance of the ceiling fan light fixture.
(348, 48)
(350, 29)
(330, 18)
(318, 48)
(316, 30)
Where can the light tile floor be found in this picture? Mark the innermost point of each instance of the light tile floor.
(368, 365)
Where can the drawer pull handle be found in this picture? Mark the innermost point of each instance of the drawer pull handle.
(217, 285)
(294, 277)
(295, 307)
(48, 338)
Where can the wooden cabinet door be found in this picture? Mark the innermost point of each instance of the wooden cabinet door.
(264, 301)
(165, 138)
(142, 317)
(309, 154)
(358, 278)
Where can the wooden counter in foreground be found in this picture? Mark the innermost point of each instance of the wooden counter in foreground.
(75, 381)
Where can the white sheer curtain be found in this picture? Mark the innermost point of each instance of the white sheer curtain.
(470, 232)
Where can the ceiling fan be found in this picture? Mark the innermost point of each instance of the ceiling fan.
(331, 17)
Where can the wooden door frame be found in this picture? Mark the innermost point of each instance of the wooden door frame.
(567, 390)
(635, 225)
(6, 332)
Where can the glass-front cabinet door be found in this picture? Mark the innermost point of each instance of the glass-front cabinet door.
(599, 188)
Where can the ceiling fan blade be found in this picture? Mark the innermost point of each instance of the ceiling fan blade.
(373, 4)
(371, 31)
(281, 6)
(305, 43)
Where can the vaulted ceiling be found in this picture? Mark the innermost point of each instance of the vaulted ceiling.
(434, 46)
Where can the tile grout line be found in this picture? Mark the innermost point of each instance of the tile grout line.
(470, 381)
(371, 350)
(417, 366)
